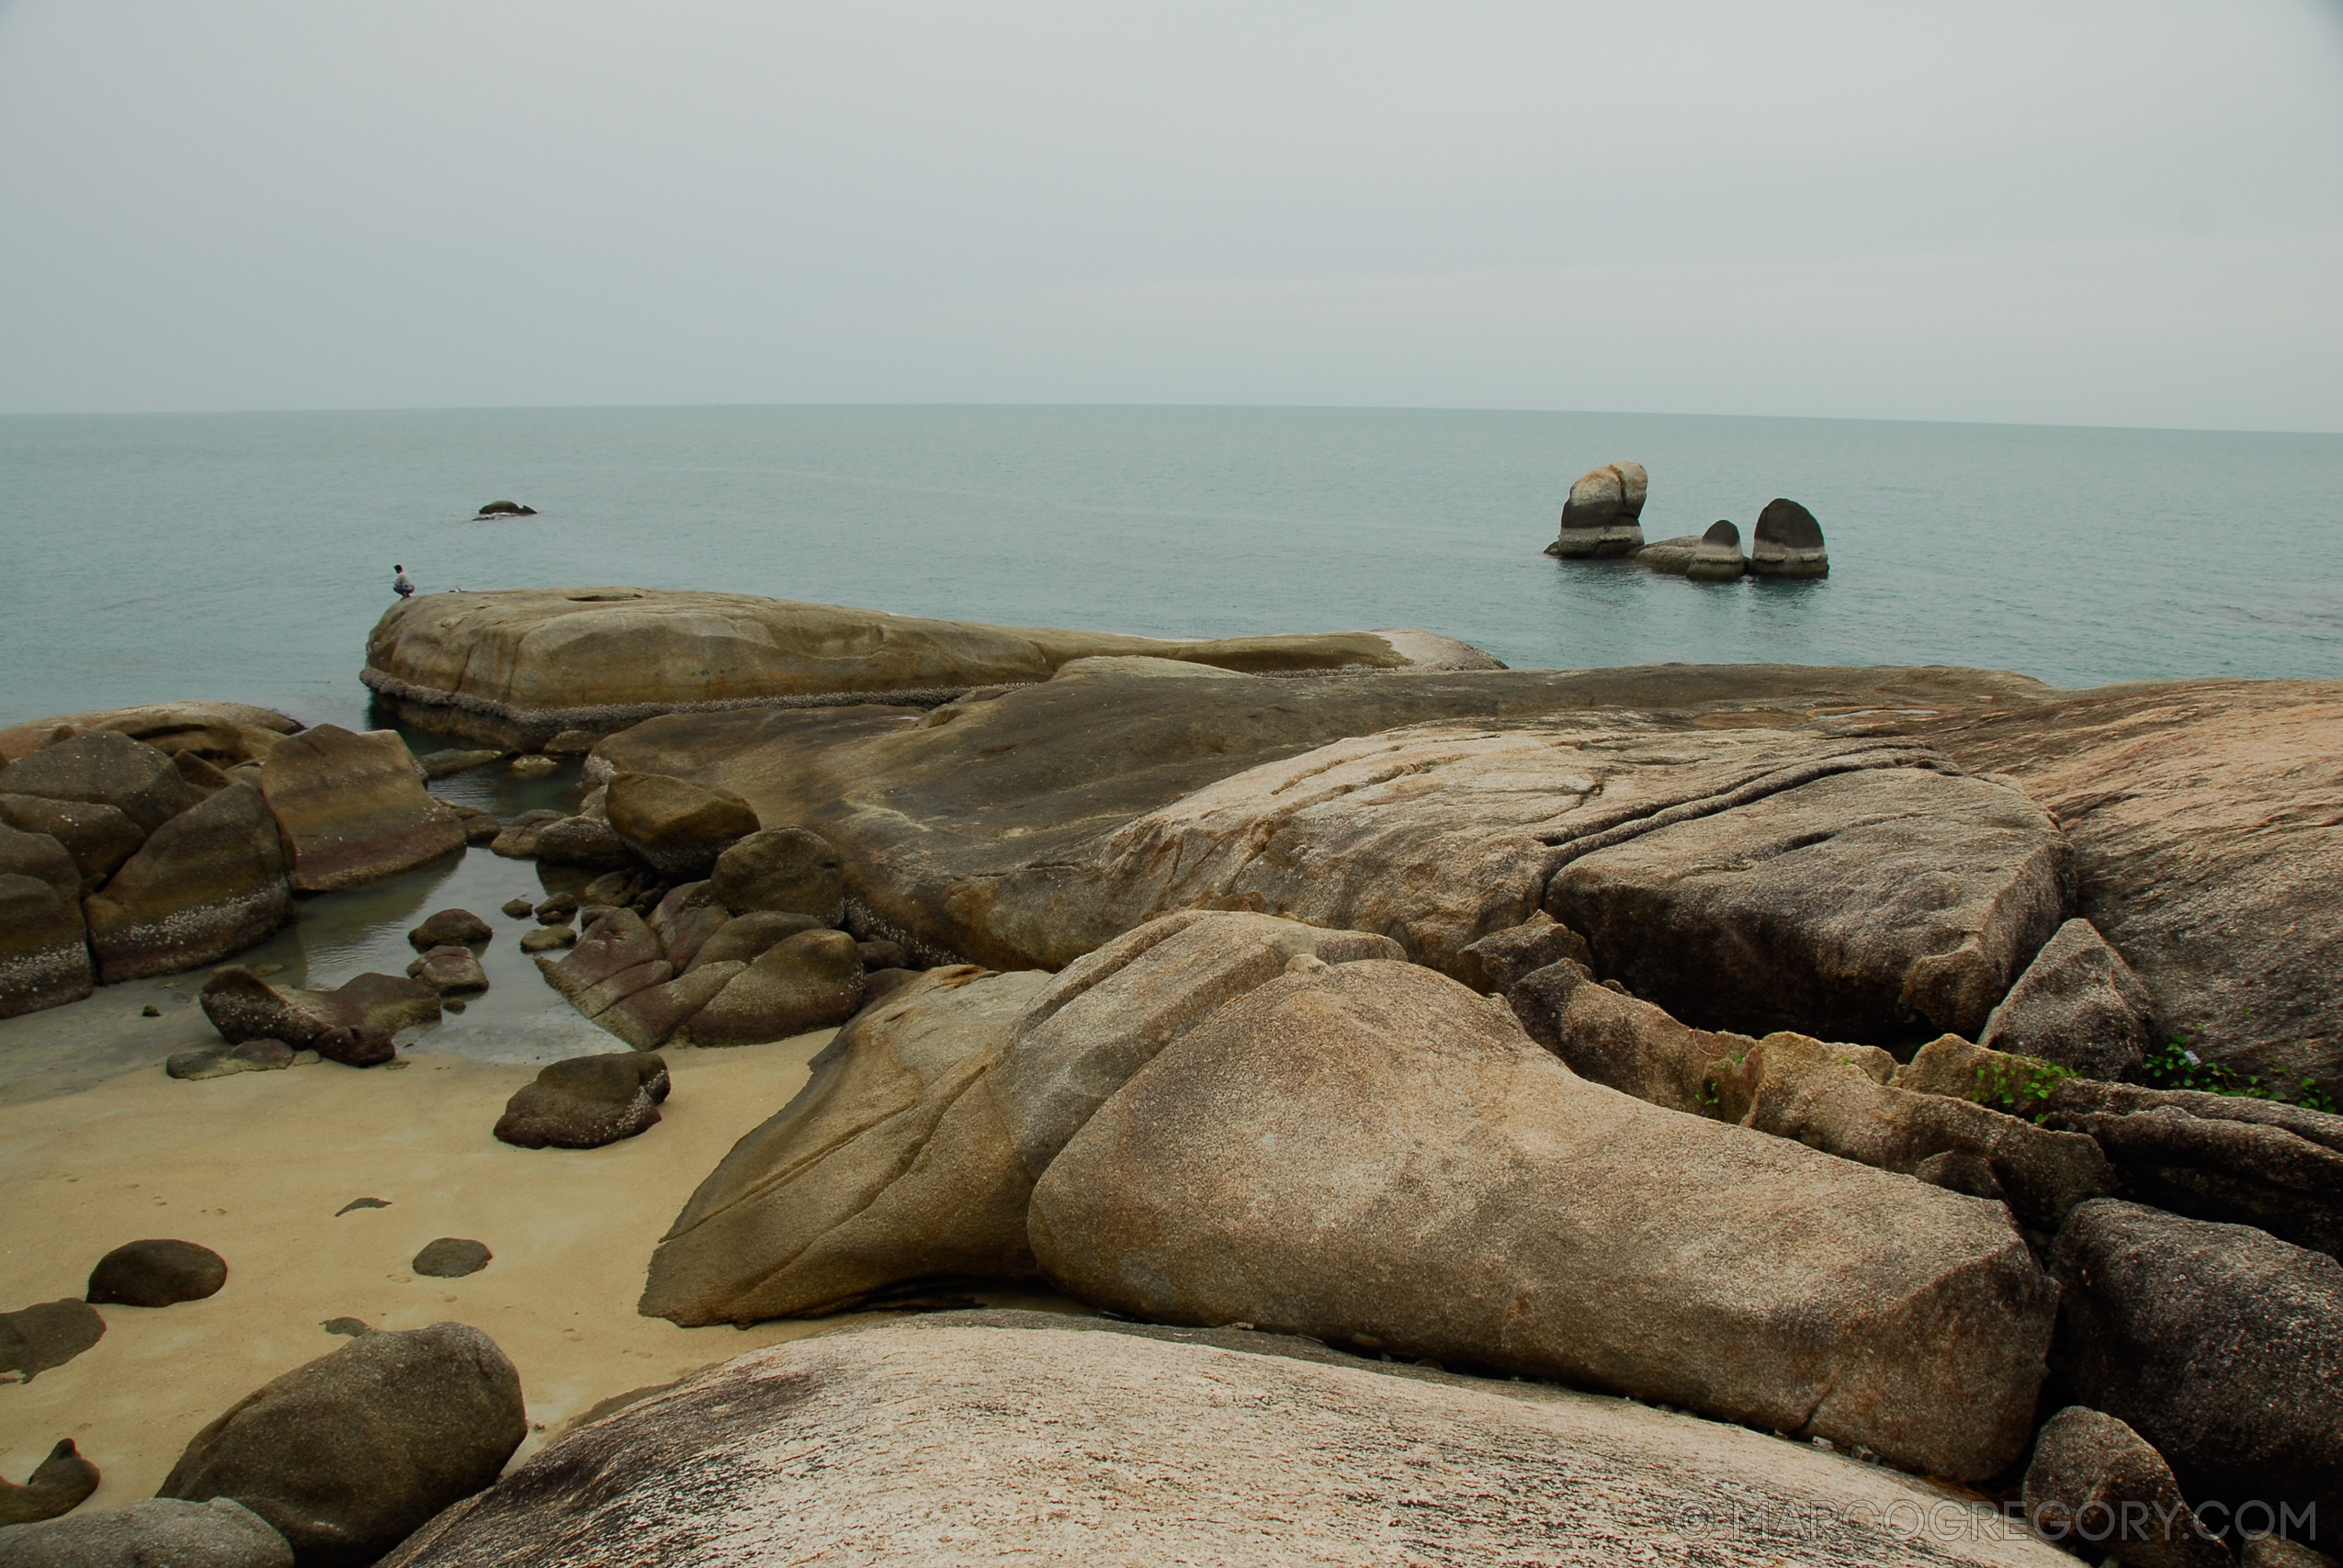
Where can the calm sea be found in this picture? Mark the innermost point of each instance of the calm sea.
(245, 556)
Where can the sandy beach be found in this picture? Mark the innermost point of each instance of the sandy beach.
(256, 1166)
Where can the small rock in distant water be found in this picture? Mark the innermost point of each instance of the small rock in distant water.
(56, 1487)
(356, 1045)
(545, 939)
(450, 927)
(533, 766)
(157, 1273)
(439, 764)
(519, 908)
(518, 841)
(47, 1335)
(1718, 559)
(1603, 515)
(451, 1257)
(361, 1203)
(573, 743)
(449, 969)
(557, 909)
(1788, 543)
(506, 509)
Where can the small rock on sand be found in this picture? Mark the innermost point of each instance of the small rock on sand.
(451, 1257)
(157, 1273)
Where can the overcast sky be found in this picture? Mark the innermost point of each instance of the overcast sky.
(2119, 213)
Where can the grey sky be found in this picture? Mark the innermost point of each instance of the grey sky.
(2126, 213)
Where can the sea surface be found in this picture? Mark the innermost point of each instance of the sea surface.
(246, 556)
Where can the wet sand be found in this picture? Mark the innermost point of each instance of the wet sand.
(255, 1167)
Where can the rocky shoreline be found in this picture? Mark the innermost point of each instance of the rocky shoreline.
(1928, 1067)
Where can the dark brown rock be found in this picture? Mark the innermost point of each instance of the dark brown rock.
(744, 939)
(44, 951)
(208, 883)
(348, 1455)
(457, 926)
(813, 980)
(1602, 516)
(1788, 542)
(451, 970)
(451, 1257)
(2220, 1345)
(355, 1046)
(97, 837)
(50, 1333)
(1492, 965)
(519, 908)
(1718, 557)
(587, 1101)
(784, 870)
(104, 769)
(242, 1005)
(2093, 1484)
(677, 827)
(57, 1486)
(518, 839)
(353, 807)
(157, 1273)
(647, 1018)
(583, 841)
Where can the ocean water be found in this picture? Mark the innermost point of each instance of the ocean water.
(246, 556)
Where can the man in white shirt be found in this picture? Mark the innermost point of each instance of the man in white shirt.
(402, 585)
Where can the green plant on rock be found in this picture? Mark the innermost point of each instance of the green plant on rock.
(2019, 1086)
(2174, 1065)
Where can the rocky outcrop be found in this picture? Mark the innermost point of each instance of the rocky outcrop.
(445, 927)
(2220, 1346)
(1371, 1154)
(2203, 815)
(46, 1335)
(889, 1165)
(584, 842)
(158, 1532)
(1608, 1037)
(241, 1005)
(2077, 1004)
(518, 666)
(506, 509)
(104, 769)
(353, 807)
(813, 980)
(98, 837)
(1787, 543)
(1603, 515)
(44, 948)
(223, 734)
(1672, 557)
(975, 833)
(208, 883)
(58, 1484)
(587, 1101)
(1719, 557)
(784, 871)
(157, 1273)
(2094, 1482)
(677, 827)
(1055, 1440)
(347, 1455)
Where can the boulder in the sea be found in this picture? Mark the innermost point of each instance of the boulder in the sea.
(782, 870)
(451, 1257)
(57, 1485)
(46, 1335)
(676, 826)
(352, 808)
(584, 842)
(157, 1273)
(104, 769)
(44, 948)
(2220, 1345)
(451, 970)
(347, 1455)
(1719, 557)
(519, 908)
(98, 837)
(2077, 1004)
(155, 1532)
(1603, 515)
(440, 764)
(518, 839)
(549, 938)
(1370, 1153)
(506, 509)
(208, 882)
(557, 909)
(2092, 1480)
(1788, 543)
(813, 980)
(584, 1102)
(480, 827)
(889, 1165)
(459, 927)
(1673, 556)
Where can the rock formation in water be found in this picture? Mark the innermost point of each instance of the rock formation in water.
(1603, 515)
(1718, 557)
(1788, 543)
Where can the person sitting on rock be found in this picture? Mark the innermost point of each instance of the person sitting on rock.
(402, 585)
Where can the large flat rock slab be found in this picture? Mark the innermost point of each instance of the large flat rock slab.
(521, 664)
(979, 832)
(1028, 1438)
(2207, 821)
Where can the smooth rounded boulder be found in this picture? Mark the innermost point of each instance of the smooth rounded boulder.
(104, 769)
(1370, 1153)
(744, 939)
(446, 927)
(241, 1005)
(1602, 517)
(347, 1455)
(157, 1273)
(157, 1532)
(58, 1484)
(1788, 543)
(2094, 1482)
(677, 827)
(208, 883)
(584, 1102)
(99, 838)
(813, 980)
(784, 870)
(44, 946)
(1718, 557)
(353, 807)
(450, 971)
